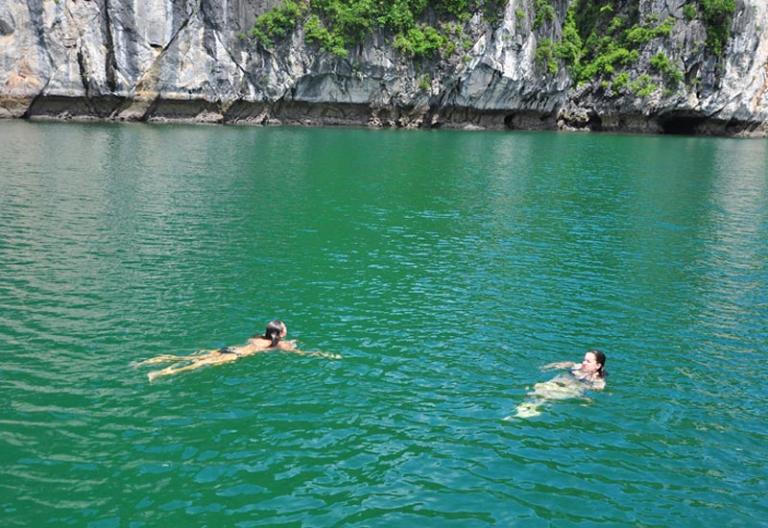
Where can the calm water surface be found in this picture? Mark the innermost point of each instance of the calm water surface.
(446, 267)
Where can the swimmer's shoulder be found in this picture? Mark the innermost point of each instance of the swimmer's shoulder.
(258, 342)
(255, 345)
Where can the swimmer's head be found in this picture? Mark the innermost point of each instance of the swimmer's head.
(276, 330)
(594, 361)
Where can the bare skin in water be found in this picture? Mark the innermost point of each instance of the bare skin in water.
(272, 340)
(587, 375)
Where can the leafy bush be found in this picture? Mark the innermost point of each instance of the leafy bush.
(545, 54)
(717, 15)
(616, 24)
(639, 35)
(276, 23)
(570, 47)
(620, 81)
(349, 19)
(425, 83)
(315, 31)
(663, 65)
(545, 12)
(605, 63)
(689, 11)
(420, 40)
(643, 86)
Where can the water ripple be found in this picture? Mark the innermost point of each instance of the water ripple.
(446, 268)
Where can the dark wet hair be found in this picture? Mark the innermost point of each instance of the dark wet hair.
(274, 331)
(600, 358)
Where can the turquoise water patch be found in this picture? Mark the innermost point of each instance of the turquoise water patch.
(445, 267)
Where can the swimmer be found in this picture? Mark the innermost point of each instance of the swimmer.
(590, 370)
(589, 374)
(273, 339)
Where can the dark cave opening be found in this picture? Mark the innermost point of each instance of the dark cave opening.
(595, 123)
(680, 124)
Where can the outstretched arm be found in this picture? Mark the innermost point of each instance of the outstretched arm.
(290, 346)
(316, 353)
(559, 365)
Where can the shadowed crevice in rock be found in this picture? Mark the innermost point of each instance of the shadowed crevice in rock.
(197, 110)
(7, 23)
(528, 120)
(731, 127)
(35, 8)
(63, 107)
(81, 63)
(595, 123)
(681, 124)
(110, 63)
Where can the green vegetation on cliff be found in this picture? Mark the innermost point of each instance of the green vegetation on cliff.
(601, 40)
(420, 27)
(717, 15)
(278, 22)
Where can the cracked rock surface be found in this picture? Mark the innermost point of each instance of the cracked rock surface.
(188, 60)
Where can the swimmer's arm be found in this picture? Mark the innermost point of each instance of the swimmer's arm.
(317, 353)
(598, 384)
(559, 365)
(290, 346)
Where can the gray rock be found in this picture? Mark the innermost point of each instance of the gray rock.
(7, 24)
(188, 60)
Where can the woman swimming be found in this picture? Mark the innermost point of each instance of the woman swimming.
(273, 339)
(590, 370)
(589, 374)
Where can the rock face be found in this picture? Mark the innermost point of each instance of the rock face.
(189, 60)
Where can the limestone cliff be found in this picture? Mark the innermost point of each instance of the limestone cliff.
(189, 60)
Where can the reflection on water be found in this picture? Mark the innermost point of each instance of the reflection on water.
(736, 252)
(444, 267)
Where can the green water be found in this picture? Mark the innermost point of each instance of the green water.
(446, 267)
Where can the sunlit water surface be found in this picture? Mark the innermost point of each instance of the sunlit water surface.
(446, 268)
